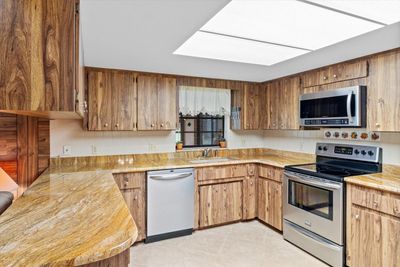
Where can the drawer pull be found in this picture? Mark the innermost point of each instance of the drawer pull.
(334, 76)
(126, 184)
(135, 198)
(375, 203)
(357, 216)
(396, 211)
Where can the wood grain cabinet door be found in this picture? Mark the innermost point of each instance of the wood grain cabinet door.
(269, 204)
(147, 102)
(383, 92)
(99, 97)
(220, 203)
(289, 104)
(252, 107)
(124, 101)
(167, 104)
(272, 102)
(249, 198)
(136, 203)
(37, 69)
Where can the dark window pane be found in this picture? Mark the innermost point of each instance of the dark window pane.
(190, 139)
(205, 139)
(218, 125)
(205, 125)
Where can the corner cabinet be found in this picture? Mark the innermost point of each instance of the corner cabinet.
(157, 103)
(373, 227)
(112, 100)
(132, 186)
(281, 104)
(38, 55)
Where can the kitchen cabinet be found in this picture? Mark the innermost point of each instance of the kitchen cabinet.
(336, 73)
(132, 186)
(269, 196)
(249, 198)
(38, 55)
(220, 203)
(373, 227)
(112, 99)
(281, 105)
(157, 103)
(248, 101)
(383, 92)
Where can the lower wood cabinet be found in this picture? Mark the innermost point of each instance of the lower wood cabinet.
(373, 227)
(249, 198)
(132, 186)
(220, 203)
(269, 197)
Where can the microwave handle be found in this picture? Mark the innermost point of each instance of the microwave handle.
(348, 105)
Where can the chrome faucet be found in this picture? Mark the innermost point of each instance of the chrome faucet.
(207, 152)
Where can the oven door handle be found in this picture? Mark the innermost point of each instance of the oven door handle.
(311, 181)
(348, 106)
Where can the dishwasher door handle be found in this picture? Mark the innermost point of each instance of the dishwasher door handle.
(170, 176)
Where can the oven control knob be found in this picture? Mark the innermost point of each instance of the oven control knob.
(371, 153)
(356, 151)
(325, 148)
(320, 148)
(363, 152)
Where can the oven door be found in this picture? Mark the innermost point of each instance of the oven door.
(315, 204)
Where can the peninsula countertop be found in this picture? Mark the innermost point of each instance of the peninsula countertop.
(66, 219)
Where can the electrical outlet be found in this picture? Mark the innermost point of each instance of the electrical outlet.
(67, 150)
(94, 150)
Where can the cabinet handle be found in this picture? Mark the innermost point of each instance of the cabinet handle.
(357, 216)
(135, 198)
(126, 184)
(377, 125)
(152, 125)
(325, 78)
(117, 125)
(375, 203)
(105, 124)
(395, 210)
(162, 125)
(334, 76)
(251, 183)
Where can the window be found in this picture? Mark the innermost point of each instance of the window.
(201, 130)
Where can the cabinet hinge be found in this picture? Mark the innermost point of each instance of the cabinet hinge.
(136, 79)
(77, 7)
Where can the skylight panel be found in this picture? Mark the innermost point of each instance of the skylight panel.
(384, 11)
(287, 22)
(221, 47)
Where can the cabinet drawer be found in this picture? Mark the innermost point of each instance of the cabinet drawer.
(221, 172)
(376, 200)
(251, 170)
(130, 180)
(269, 172)
(336, 73)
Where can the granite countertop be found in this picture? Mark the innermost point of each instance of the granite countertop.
(66, 219)
(74, 214)
(387, 180)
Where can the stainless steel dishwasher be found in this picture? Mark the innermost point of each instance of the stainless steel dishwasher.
(170, 204)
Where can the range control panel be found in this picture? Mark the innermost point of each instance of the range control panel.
(348, 151)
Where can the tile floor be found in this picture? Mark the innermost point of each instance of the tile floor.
(235, 245)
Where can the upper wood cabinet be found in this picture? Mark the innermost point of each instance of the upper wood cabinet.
(38, 55)
(281, 105)
(248, 101)
(383, 92)
(157, 103)
(112, 100)
(336, 73)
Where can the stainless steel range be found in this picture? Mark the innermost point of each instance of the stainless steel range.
(314, 198)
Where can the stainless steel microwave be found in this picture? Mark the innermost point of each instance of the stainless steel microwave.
(344, 107)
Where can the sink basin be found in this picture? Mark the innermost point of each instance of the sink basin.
(210, 160)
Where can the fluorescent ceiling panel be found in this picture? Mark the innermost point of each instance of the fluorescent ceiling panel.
(384, 11)
(214, 46)
(287, 22)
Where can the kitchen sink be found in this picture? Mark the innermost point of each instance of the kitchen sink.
(210, 160)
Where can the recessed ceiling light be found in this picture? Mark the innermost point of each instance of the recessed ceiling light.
(222, 47)
(384, 11)
(287, 22)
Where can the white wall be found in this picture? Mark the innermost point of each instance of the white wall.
(305, 141)
(87, 143)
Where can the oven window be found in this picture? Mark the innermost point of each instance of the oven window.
(312, 199)
(332, 107)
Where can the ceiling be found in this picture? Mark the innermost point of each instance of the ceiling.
(143, 35)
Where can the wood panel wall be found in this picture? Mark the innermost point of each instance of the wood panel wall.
(24, 147)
